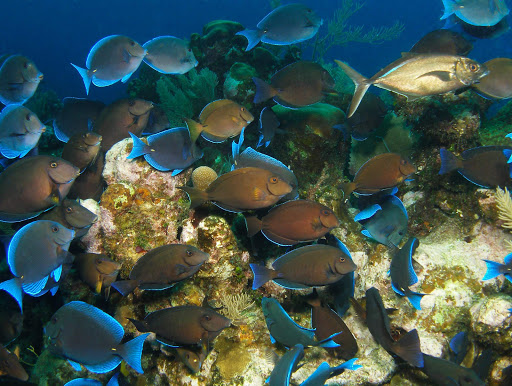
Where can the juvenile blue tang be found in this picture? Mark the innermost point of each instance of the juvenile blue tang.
(324, 372)
(19, 79)
(495, 269)
(402, 272)
(114, 58)
(476, 12)
(35, 252)
(167, 150)
(84, 334)
(169, 55)
(20, 130)
(287, 24)
(286, 365)
(385, 222)
(284, 330)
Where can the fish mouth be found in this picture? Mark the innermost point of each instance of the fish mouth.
(245, 120)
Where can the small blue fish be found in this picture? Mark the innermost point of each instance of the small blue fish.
(268, 126)
(36, 252)
(169, 55)
(286, 365)
(252, 158)
(287, 24)
(324, 372)
(385, 222)
(495, 269)
(459, 346)
(284, 330)
(93, 382)
(167, 150)
(402, 273)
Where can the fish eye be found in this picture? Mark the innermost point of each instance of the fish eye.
(473, 67)
(189, 252)
(208, 318)
(242, 109)
(401, 233)
(55, 229)
(27, 117)
(132, 43)
(69, 209)
(273, 180)
(53, 165)
(25, 65)
(131, 102)
(403, 162)
(326, 212)
(342, 259)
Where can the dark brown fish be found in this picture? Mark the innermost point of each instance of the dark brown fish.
(163, 267)
(120, 118)
(442, 41)
(193, 358)
(485, 166)
(498, 83)
(294, 222)
(77, 115)
(33, 185)
(367, 118)
(90, 183)
(82, 149)
(72, 215)
(326, 323)
(484, 32)
(241, 189)
(97, 271)
(10, 365)
(305, 267)
(381, 172)
(184, 325)
(298, 84)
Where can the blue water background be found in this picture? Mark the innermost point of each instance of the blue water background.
(55, 33)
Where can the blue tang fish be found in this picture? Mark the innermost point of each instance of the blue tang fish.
(167, 150)
(84, 334)
(385, 222)
(476, 12)
(495, 269)
(35, 253)
(284, 330)
(19, 79)
(324, 372)
(287, 24)
(459, 346)
(169, 55)
(267, 127)
(402, 272)
(286, 365)
(112, 59)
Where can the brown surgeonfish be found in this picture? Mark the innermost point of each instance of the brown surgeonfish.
(72, 215)
(184, 325)
(90, 184)
(485, 166)
(219, 120)
(32, 185)
(326, 323)
(442, 41)
(163, 267)
(120, 118)
(417, 75)
(77, 115)
(381, 172)
(10, 365)
(82, 149)
(296, 85)
(192, 357)
(293, 222)
(498, 83)
(97, 271)
(367, 118)
(11, 318)
(305, 267)
(241, 189)
(407, 348)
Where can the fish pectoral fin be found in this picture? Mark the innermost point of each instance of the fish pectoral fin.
(14, 86)
(258, 194)
(445, 76)
(98, 286)
(316, 224)
(126, 56)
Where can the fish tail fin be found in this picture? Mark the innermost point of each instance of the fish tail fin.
(13, 287)
(261, 275)
(328, 342)
(194, 128)
(264, 90)
(141, 326)
(253, 224)
(253, 37)
(347, 188)
(139, 147)
(450, 7)
(196, 196)
(448, 161)
(408, 348)
(414, 298)
(84, 73)
(360, 82)
(493, 270)
(348, 365)
(124, 287)
(131, 352)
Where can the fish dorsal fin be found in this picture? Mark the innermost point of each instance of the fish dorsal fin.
(13, 245)
(508, 259)
(367, 213)
(210, 108)
(106, 321)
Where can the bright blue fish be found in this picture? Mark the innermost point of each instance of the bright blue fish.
(169, 55)
(402, 272)
(385, 222)
(459, 346)
(284, 330)
(84, 334)
(324, 372)
(167, 150)
(36, 253)
(495, 269)
(286, 365)
(93, 382)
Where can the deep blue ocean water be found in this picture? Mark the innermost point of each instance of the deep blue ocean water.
(55, 33)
